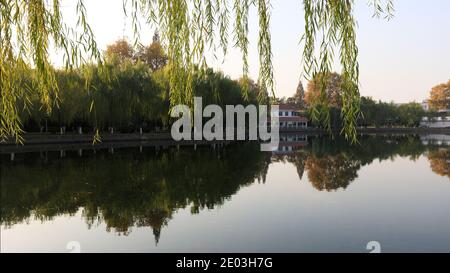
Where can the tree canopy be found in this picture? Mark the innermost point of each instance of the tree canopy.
(121, 49)
(153, 55)
(384, 114)
(440, 96)
(31, 29)
(299, 96)
(333, 91)
(128, 94)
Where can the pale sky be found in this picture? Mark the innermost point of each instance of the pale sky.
(400, 60)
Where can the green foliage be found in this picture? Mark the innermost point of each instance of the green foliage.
(335, 23)
(382, 114)
(188, 29)
(126, 95)
(28, 29)
(410, 114)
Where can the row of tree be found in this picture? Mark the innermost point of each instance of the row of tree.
(129, 91)
(373, 113)
(379, 114)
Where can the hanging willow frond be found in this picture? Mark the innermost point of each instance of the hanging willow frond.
(188, 28)
(335, 24)
(28, 30)
(241, 8)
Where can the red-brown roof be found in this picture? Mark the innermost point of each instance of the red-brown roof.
(289, 107)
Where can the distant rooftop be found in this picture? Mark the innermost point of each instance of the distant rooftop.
(289, 106)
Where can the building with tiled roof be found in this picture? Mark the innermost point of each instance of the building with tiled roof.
(291, 118)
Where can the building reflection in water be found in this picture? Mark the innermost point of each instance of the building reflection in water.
(292, 150)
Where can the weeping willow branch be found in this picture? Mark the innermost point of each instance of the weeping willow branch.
(329, 26)
(28, 30)
(189, 29)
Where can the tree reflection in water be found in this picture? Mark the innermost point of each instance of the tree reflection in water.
(331, 172)
(132, 189)
(440, 162)
(128, 188)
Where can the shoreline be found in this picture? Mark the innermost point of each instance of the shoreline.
(53, 138)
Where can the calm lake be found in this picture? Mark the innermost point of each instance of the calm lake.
(313, 195)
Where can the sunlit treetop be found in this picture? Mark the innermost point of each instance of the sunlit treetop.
(440, 96)
(188, 29)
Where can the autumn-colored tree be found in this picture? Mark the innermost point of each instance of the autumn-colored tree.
(153, 55)
(120, 50)
(440, 96)
(333, 90)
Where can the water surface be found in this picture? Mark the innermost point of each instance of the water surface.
(312, 195)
